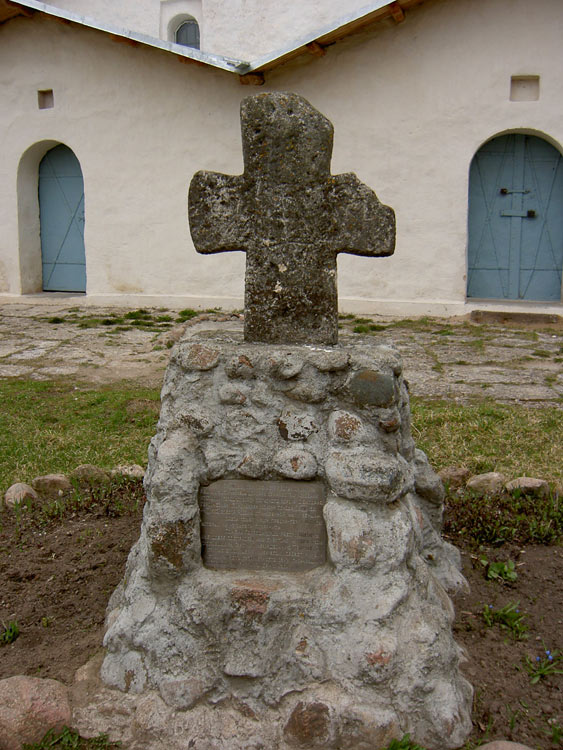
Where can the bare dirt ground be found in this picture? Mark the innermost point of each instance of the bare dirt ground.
(56, 579)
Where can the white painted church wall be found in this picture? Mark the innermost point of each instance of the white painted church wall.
(411, 103)
(243, 29)
(248, 29)
(140, 123)
(137, 15)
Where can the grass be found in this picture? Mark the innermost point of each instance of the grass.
(486, 436)
(544, 666)
(48, 427)
(403, 744)
(511, 439)
(509, 618)
(9, 632)
(116, 322)
(371, 328)
(68, 739)
(519, 519)
(142, 319)
(52, 427)
(122, 496)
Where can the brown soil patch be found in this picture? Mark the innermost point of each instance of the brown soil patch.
(506, 704)
(56, 583)
(57, 579)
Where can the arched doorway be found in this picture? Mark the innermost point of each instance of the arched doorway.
(61, 218)
(515, 248)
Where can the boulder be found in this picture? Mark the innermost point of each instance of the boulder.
(19, 492)
(29, 707)
(454, 477)
(130, 471)
(529, 486)
(487, 484)
(52, 485)
(88, 475)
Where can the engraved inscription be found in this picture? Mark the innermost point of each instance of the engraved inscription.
(263, 525)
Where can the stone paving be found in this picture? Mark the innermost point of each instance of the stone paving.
(515, 362)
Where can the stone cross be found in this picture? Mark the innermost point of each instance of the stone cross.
(291, 217)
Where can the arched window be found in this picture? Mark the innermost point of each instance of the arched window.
(187, 34)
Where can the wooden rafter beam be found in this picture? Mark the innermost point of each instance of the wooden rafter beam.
(11, 10)
(22, 10)
(397, 13)
(124, 40)
(316, 49)
(252, 79)
(190, 61)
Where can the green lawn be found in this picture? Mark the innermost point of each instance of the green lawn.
(53, 427)
(50, 427)
(512, 439)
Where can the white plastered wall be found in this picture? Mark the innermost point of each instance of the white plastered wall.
(243, 29)
(411, 103)
(248, 29)
(140, 123)
(138, 15)
(427, 94)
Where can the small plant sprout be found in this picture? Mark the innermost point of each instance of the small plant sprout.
(513, 717)
(499, 571)
(9, 632)
(508, 617)
(69, 739)
(187, 314)
(544, 666)
(554, 732)
(405, 743)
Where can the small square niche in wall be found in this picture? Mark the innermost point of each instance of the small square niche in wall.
(524, 88)
(45, 99)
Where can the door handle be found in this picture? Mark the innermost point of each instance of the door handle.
(529, 214)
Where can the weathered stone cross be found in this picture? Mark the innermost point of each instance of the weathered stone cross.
(291, 217)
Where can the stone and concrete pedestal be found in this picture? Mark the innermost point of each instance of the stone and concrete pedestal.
(289, 585)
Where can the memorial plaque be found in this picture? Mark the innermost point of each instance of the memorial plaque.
(256, 525)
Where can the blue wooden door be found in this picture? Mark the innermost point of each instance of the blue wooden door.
(61, 214)
(515, 248)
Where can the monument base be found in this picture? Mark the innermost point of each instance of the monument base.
(288, 587)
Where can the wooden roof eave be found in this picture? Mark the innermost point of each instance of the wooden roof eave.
(10, 10)
(121, 35)
(249, 72)
(313, 45)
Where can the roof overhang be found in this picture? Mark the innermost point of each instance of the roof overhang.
(313, 43)
(11, 8)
